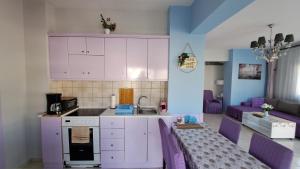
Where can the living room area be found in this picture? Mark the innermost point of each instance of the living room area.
(260, 86)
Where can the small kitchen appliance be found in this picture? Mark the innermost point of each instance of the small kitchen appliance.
(69, 103)
(53, 103)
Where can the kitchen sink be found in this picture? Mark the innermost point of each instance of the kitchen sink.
(148, 111)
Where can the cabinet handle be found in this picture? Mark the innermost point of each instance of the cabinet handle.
(82, 51)
(89, 73)
(65, 72)
(87, 51)
(112, 157)
(57, 133)
(83, 73)
(111, 145)
(145, 133)
(111, 133)
(111, 123)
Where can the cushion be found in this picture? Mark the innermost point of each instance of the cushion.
(273, 102)
(288, 107)
(257, 102)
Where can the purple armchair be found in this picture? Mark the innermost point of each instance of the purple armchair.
(271, 153)
(230, 129)
(164, 133)
(211, 105)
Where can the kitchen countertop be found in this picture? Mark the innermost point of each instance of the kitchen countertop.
(111, 112)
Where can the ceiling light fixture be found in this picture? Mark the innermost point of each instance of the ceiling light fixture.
(271, 51)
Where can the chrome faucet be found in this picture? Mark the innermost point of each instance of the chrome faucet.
(138, 106)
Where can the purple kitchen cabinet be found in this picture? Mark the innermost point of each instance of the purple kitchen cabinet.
(154, 142)
(95, 46)
(86, 67)
(115, 59)
(1, 142)
(136, 59)
(136, 140)
(51, 143)
(86, 46)
(158, 54)
(58, 57)
(77, 45)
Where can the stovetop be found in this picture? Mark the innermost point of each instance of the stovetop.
(87, 112)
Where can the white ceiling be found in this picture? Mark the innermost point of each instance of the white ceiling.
(251, 22)
(119, 4)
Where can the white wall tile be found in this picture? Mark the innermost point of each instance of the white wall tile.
(97, 94)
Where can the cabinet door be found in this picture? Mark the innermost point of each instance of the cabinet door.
(94, 67)
(95, 46)
(135, 140)
(137, 59)
(158, 54)
(77, 67)
(86, 67)
(115, 59)
(52, 142)
(58, 57)
(77, 45)
(154, 141)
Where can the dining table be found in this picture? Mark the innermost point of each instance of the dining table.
(205, 148)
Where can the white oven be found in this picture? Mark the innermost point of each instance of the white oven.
(81, 154)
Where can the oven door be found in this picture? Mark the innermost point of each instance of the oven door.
(81, 154)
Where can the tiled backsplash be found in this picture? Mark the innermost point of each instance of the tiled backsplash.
(96, 94)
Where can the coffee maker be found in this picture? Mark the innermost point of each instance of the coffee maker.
(53, 103)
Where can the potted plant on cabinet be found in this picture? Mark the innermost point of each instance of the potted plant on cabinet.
(107, 25)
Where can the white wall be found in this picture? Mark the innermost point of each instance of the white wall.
(35, 31)
(213, 73)
(13, 82)
(128, 22)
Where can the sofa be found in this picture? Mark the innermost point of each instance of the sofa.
(283, 109)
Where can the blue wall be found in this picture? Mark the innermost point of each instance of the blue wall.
(238, 90)
(185, 90)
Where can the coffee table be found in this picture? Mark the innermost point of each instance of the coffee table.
(270, 126)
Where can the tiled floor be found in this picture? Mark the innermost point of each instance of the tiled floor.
(244, 141)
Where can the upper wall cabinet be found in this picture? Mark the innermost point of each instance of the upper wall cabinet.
(115, 59)
(86, 46)
(137, 59)
(158, 54)
(58, 57)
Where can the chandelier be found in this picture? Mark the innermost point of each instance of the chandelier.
(271, 51)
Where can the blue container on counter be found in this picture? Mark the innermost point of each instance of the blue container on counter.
(124, 109)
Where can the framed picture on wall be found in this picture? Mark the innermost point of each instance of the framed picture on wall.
(250, 71)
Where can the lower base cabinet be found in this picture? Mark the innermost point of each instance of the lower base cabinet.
(51, 142)
(142, 142)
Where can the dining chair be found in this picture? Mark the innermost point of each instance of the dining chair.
(164, 132)
(176, 155)
(230, 129)
(271, 153)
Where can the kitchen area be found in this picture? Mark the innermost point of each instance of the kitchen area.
(106, 95)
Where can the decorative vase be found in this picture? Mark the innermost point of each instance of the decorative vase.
(266, 113)
(107, 31)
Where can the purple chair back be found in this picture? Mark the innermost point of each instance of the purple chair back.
(208, 95)
(176, 155)
(164, 132)
(271, 153)
(230, 129)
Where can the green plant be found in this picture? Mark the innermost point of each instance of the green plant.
(182, 58)
(106, 23)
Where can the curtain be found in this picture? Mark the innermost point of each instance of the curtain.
(287, 85)
(271, 78)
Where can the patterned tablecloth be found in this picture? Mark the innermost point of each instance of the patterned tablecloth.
(206, 148)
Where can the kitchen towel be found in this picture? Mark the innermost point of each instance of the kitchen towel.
(126, 96)
(80, 135)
